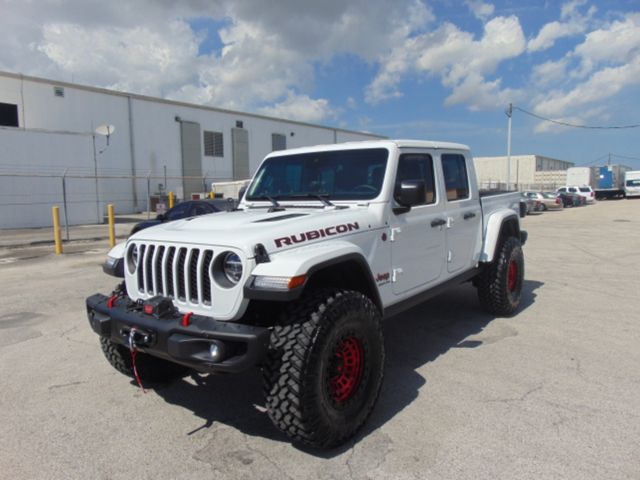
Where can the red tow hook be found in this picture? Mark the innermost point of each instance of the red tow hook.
(112, 301)
(186, 319)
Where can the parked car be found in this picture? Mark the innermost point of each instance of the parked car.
(532, 205)
(547, 200)
(190, 208)
(571, 199)
(584, 191)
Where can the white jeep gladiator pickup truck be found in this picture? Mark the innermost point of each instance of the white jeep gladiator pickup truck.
(326, 242)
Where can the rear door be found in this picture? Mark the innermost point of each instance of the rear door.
(463, 213)
(418, 236)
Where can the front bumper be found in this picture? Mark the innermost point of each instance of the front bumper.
(239, 347)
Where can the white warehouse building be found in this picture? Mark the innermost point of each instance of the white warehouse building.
(527, 171)
(52, 147)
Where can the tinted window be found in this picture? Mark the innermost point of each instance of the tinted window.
(456, 179)
(179, 211)
(339, 175)
(417, 166)
(201, 209)
(562, 189)
(573, 190)
(585, 189)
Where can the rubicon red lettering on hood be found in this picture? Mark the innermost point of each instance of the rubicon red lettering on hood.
(315, 234)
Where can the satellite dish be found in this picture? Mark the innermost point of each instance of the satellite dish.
(105, 130)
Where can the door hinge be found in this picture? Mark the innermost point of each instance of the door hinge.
(449, 256)
(394, 232)
(449, 222)
(395, 273)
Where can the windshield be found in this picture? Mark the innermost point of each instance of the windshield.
(549, 195)
(335, 175)
(633, 182)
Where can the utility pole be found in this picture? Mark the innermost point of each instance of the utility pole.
(509, 113)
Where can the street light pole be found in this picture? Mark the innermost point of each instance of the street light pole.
(509, 113)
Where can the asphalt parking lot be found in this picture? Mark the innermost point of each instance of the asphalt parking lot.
(552, 393)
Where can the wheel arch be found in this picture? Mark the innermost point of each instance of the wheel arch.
(500, 225)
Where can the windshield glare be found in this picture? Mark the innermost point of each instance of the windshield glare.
(336, 175)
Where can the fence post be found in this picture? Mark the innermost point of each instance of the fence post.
(64, 202)
(57, 237)
(112, 226)
(149, 195)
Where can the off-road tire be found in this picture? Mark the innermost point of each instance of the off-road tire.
(151, 369)
(500, 282)
(309, 396)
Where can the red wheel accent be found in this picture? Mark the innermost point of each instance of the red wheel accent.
(346, 370)
(512, 276)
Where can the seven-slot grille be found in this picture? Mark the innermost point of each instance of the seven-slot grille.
(182, 273)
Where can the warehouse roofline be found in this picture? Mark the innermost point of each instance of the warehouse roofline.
(136, 96)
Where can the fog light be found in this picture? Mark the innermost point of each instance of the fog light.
(216, 351)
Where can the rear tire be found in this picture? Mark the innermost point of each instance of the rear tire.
(500, 282)
(150, 368)
(325, 367)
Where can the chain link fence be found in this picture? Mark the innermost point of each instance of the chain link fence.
(26, 199)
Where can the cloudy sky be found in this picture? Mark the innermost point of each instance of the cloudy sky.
(427, 69)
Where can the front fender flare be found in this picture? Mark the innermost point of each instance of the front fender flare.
(493, 230)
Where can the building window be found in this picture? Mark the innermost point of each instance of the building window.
(58, 91)
(239, 124)
(213, 146)
(8, 115)
(278, 142)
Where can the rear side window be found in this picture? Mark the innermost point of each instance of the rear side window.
(585, 189)
(418, 166)
(456, 179)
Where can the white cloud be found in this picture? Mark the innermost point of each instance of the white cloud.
(480, 9)
(573, 23)
(301, 108)
(607, 62)
(269, 48)
(461, 62)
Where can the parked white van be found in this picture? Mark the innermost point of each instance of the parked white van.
(632, 183)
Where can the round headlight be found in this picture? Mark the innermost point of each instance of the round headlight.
(132, 258)
(232, 267)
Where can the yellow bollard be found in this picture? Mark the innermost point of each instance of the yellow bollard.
(212, 195)
(57, 235)
(172, 199)
(112, 225)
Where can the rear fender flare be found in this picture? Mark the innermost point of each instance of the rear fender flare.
(495, 226)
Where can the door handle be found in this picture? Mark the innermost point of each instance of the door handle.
(469, 215)
(438, 222)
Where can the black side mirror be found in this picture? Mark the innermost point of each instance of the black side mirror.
(410, 193)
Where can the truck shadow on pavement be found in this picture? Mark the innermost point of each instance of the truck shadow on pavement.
(412, 339)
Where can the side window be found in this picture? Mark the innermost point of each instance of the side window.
(418, 166)
(456, 179)
(179, 211)
(572, 190)
(562, 189)
(200, 209)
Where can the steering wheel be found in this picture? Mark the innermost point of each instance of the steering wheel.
(364, 188)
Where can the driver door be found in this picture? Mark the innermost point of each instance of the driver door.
(418, 236)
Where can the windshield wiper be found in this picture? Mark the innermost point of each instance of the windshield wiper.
(323, 198)
(275, 206)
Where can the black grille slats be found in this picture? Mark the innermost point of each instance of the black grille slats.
(180, 266)
(205, 278)
(182, 273)
(193, 275)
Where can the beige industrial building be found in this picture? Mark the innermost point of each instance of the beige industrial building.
(527, 171)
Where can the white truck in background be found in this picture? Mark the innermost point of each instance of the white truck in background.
(632, 183)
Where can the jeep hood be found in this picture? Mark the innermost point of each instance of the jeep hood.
(277, 231)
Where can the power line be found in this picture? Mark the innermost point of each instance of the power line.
(567, 124)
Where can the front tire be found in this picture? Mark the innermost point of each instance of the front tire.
(150, 368)
(325, 367)
(500, 282)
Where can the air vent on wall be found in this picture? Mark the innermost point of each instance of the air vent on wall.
(58, 91)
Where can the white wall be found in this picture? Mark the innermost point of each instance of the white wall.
(55, 135)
